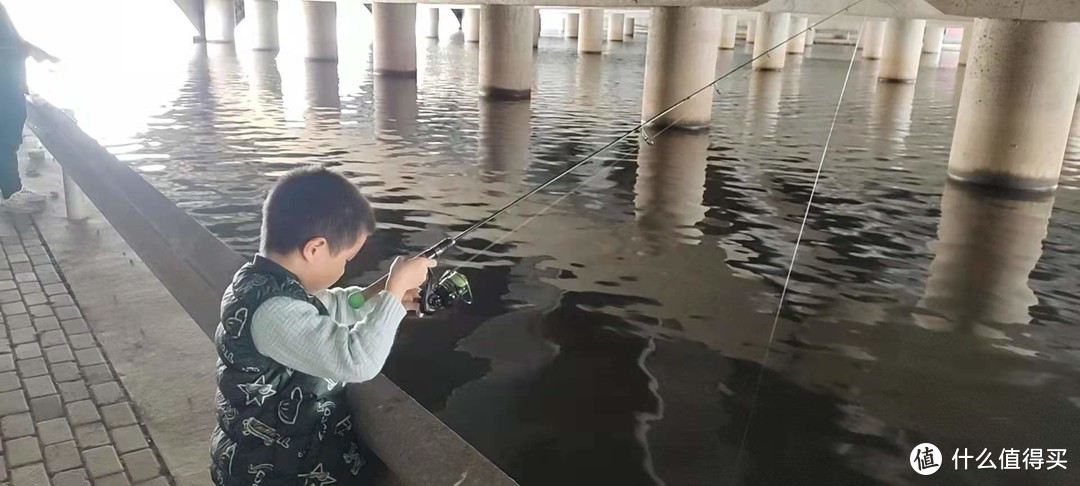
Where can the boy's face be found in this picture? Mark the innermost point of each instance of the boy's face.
(324, 266)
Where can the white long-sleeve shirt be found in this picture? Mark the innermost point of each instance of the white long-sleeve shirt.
(349, 345)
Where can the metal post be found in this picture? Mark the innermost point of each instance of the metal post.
(76, 203)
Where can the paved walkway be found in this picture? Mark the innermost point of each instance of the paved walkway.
(65, 418)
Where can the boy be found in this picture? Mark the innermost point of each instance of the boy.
(287, 345)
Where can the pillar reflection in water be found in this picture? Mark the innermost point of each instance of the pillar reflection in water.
(263, 75)
(395, 108)
(222, 59)
(589, 71)
(987, 247)
(763, 99)
(793, 80)
(891, 115)
(505, 130)
(725, 60)
(223, 66)
(670, 187)
(322, 84)
(930, 59)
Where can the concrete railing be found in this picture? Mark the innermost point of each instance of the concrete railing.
(196, 267)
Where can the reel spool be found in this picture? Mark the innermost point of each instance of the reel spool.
(445, 292)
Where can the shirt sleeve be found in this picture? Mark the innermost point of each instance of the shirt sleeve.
(349, 345)
(336, 301)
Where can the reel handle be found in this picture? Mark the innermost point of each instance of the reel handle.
(425, 291)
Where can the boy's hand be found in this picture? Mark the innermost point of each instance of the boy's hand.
(412, 300)
(407, 273)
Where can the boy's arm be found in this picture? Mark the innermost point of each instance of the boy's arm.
(293, 333)
(339, 297)
(372, 290)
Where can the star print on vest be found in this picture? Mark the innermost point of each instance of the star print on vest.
(257, 392)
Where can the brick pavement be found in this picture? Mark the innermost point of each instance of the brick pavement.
(65, 418)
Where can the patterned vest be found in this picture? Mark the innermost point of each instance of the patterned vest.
(275, 425)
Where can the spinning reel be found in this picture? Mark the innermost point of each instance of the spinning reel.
(445, 291)
(440, 294)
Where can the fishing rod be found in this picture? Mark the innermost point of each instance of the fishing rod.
(453, 287)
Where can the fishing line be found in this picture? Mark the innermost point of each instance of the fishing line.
(545, 209)
(794, 255)
(602, 171)
(447, 243)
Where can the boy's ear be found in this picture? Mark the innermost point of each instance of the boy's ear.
(313, 246)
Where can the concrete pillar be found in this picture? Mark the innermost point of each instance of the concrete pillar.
(798, 44)
(965, 45)
(679, 60)
(471, 24)
(220, 19)
(395, 38)
(772, 30)
(750, 31)
(873, 39)
(932, 39)
(903, 50)
(1017, 104)
(810, 37)
(263, 15)
(591, 31)
(320, 20)
(506, 59)
(616, 23)
(430, 16)
(536, 27)
(628, 27)
(728, 25)
(571, 26)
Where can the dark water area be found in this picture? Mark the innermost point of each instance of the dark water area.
(619, 337)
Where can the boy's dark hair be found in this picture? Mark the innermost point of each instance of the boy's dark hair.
(312, 202)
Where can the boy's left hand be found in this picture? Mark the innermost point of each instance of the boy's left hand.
(411, 301)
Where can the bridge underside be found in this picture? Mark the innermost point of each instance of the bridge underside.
(1049, 10)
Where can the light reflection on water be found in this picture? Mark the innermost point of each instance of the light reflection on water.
(616, 339)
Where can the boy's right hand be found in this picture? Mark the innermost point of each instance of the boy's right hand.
(407, 273)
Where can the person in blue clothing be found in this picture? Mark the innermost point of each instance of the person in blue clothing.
(13, 53)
